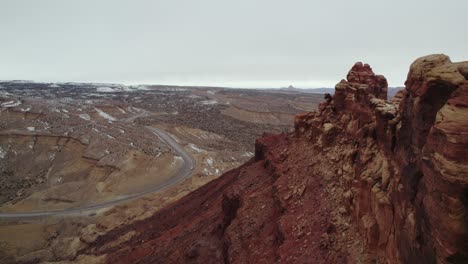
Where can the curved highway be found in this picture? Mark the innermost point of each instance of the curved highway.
(184, 172)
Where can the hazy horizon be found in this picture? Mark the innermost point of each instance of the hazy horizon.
(242, 44)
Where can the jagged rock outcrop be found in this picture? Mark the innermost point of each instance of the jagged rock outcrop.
(363, 179)
(408, 172)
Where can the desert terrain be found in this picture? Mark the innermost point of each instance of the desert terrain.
(363, 179)
(79, 159)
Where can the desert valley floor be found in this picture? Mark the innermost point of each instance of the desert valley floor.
(67, 148)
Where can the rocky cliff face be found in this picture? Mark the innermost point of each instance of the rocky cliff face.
(406, 177)
(363, 179)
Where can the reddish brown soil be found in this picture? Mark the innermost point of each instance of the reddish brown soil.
(266, 210)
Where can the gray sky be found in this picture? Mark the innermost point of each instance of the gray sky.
(240, 43)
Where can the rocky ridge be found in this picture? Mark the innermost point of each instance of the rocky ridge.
(406, 174)
(393, 171)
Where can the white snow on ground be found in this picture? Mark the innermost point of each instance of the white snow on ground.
(134, 110)
(97, 95)
(31, 128)
(46, 125)
(211, 92)
(105, 89)
(109, 136)
(138, 87)
(2, 153)
(121, 131)
(209, 161)
(11, 104)
(85, 117)
(121, 110)
(209, 102)
(65, 110)
(54, 86)
(195, 148)
(209, 172)
(25, 109)
(247, 154)
(174, 161)
(20, 81)
(175, 89)
(105, 115)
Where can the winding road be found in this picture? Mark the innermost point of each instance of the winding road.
(182, 173)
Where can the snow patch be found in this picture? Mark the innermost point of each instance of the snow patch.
(31, 128)
(105, 89)
(85, 117)
(195, 148)
(110, 137)
(121, 110)
(209, 102)
(175, 160)
(105, 115)
(247, 154)
(209, 161)
(11, 104)
(2, 153)
(142, 87)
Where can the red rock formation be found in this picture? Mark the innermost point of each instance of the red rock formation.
(391, 174)
(408, 173)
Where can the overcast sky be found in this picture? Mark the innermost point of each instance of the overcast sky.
(237, 43)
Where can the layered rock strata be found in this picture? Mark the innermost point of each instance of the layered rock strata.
(364, 179)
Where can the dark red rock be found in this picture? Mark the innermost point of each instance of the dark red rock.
(398, 168)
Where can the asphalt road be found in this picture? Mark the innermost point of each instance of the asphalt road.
(184, 172)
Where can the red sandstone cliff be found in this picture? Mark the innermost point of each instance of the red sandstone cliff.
(362, 179)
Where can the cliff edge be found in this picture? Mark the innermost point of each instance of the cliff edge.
(364, 179)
